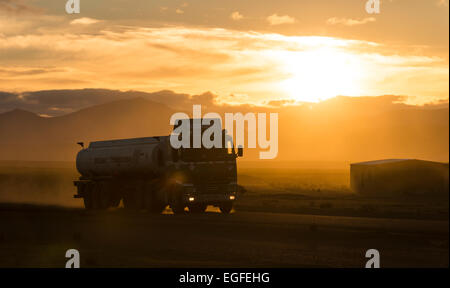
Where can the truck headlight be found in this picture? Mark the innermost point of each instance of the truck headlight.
(191, 199)
(232, 197)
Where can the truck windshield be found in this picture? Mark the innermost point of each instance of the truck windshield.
(203, 154)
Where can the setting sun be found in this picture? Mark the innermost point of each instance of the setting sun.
(321, 74)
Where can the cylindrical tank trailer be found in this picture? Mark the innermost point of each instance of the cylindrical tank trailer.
(122, 157)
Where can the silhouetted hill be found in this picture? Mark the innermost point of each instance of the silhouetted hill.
(26, 136)
(18, 115)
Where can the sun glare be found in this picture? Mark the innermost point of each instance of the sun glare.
(320, 74)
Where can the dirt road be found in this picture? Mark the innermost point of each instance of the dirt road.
(38, 236)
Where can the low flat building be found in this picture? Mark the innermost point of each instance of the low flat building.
(399, 177)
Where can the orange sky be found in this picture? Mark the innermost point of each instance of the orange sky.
(243, 51)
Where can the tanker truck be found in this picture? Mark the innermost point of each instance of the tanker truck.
(148, 173)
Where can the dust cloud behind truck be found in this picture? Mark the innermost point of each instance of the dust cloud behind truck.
(148, 173)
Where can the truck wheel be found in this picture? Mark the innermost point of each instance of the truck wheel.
(157, 208)
(178, 208)
(177, 203)
(99, 197)
(96, 196)
(115, 201)
(197, 208)
(87, 197)
(226, 207)
(133, 200)
(129, 202)
(152, 204)
(110, 195)
(103, 197)
(87, 202)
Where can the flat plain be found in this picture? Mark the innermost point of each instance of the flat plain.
(287, 217)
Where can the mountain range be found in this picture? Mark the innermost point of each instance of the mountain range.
(339, 129)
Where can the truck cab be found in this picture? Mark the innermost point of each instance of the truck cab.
(205, 176)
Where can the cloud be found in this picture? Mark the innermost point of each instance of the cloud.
(17, 72)
(6, 98)
(282, 102)
(278, 20)
(236, 16)
(442, 3)
(350, 22)
(84, 21)
(180, 10)
(16, 7)
(262, 66)
(60, 102)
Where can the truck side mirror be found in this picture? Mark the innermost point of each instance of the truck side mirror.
(240, 151)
